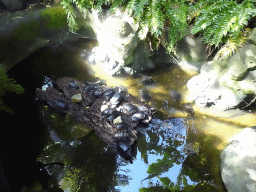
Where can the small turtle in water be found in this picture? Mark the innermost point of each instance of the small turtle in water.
(175, 95)
(188, 108)
(144, 95)
(144, 79)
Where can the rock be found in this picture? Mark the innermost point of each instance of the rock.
(238, 169)
(13, 5)
(208, 90)
(241, 63)
(120, 51)
(23, 32)
(226, 84)
(77, 98)
(141, 57)
(252, 37)
(191, 53)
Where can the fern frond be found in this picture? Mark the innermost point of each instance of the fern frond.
(223, 20)
(143, 31)
(71, 17)
(157, 19)
(131, 6)
(7, 85)
(232, 45)
(139, 8)
(178, 27)
(117, 3)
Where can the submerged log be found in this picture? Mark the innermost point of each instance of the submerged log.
(112, 113)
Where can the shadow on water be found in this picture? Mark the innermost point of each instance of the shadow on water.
(171, 154)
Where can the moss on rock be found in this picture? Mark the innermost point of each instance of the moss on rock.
(55, 17)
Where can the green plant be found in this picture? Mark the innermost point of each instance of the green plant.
(7, 85)
(224, 21)
(166, 22)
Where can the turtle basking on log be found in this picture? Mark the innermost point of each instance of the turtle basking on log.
(112, 113)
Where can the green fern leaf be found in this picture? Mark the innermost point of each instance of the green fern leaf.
(223, 20)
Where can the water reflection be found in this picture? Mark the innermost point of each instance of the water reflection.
(172, 152)
(160, 155)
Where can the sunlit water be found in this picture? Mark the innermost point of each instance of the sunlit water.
(160, 146)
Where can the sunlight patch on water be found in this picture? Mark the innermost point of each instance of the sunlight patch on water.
(220, 130)
(238, 117)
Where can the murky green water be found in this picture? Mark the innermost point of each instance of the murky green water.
(176, 151)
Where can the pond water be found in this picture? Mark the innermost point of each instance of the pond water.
(177, 151)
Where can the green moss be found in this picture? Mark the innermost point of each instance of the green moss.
(27, 31)
(55, 17)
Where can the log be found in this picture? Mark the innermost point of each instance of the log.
(112, 113)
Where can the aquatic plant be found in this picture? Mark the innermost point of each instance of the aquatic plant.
(167, 21)
(7, 85)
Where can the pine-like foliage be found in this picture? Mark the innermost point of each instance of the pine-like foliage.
(168, 21)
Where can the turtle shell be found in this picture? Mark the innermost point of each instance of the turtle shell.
(128, 108)
(116, 99)
(138, 116)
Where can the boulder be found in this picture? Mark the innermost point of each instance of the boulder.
(191, 53)
(206, 90)
(226, 84)
(238, 168)
(23, 32)
(13, 5)
(120, 50)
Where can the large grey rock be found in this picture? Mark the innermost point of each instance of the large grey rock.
(226, 84)
(23, 32)
(191, 53)
(13, 5)
(241, 63)
(207, 91)
(238, 167)
(120, 49)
